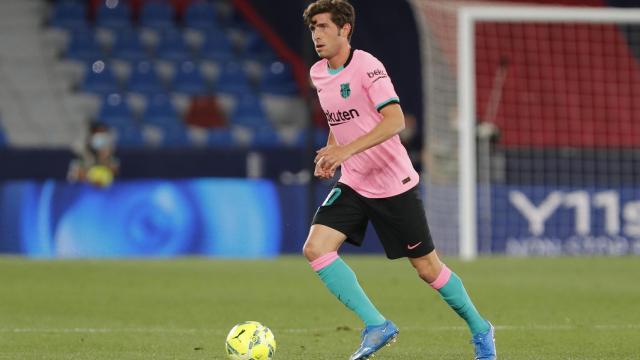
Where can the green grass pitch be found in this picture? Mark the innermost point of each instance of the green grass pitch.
(558, 308)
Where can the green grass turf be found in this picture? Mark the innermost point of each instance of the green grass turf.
(562, 308)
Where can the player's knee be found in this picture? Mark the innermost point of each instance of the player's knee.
(311, 250)
(427, 271)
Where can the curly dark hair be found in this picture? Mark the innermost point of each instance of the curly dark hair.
(341, 11)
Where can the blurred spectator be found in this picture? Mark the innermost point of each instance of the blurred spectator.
(95, 162)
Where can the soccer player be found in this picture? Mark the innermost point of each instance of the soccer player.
(377, 183)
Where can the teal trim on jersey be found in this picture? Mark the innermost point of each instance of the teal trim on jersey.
(454, 294)
(385, 103)
(343, 284)
(335, 71)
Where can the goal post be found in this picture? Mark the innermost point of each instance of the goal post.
(478, 128)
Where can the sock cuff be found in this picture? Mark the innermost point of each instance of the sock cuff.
(443, 278)
(324, 261)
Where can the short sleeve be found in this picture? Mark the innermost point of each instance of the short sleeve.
(378, 84)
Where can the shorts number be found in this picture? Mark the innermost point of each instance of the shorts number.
(332, 197)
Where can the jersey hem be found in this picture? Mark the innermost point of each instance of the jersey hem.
(406, 187)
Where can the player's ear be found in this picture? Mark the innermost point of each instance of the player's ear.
(346, 30)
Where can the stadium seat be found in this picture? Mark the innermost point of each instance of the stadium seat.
(232, 79)
(157, 15)
(220, 137)
(175, 136)
(320, 136)
(265, 136)
(257, 48)
(161, 112)
(129, 135)
(180, 6)
(144, 79)
(114, 14)
(128, 46)
(99, 79)
(188, 79)
(277, 79)
(115, 111)
(172, 46)
(249, 112)
(216, 46)
(69, 15)
(201, 15)
(3, 138)
(83, 45)
(205, 112)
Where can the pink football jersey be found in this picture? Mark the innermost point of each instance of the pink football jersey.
(351, 98)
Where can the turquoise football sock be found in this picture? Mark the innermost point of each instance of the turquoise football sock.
(343, 284)
(453, 292)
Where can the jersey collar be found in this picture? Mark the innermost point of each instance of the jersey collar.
(336, 71)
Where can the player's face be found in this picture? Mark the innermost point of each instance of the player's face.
(326, 36)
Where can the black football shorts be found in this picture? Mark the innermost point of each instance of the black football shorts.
(399, 221)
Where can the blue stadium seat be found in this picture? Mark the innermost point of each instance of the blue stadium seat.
(157, 15)
(257, 48)
(129, 135)
(277, 79)
(144, 79)
(176, 136)
(83, 45)
(172, 46)
(99, 79)
(249, 112)
(266, 136)
(69, 15)
(128, 46)
(201, 15)
(217, 46)
(114, 14)
(220, 137)
(320, 137)
(189, 79)
(232, 79)
(115, 111)
(3, 138)
(161, 112)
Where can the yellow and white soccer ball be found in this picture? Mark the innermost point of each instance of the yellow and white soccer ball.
(250, 340)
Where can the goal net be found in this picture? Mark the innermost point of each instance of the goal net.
(532, 127)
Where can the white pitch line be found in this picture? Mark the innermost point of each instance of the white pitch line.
(549, 327)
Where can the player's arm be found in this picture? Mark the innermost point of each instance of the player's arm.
(319, 170)
(331, 140)
(331, 156)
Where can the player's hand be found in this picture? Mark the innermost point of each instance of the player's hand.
(322, 173)
(332, 156)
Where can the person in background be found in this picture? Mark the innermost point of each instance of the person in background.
(96, 163)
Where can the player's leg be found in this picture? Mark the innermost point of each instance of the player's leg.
(449, 285)
(321, 249)
(401, 224)
(341, 218)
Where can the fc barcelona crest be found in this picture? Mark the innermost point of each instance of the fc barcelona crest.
(345, 90)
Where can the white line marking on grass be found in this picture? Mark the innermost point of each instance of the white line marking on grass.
(548, 327)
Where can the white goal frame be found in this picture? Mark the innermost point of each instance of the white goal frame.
(469, 14)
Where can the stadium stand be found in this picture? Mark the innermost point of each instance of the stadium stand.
(563, 96)
(3, 137)
(157, 15)
(121, 57)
